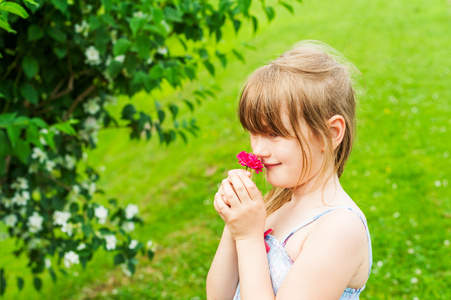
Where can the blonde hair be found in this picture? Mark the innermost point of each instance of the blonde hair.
(312, 82)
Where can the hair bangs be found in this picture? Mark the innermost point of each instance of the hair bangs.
(261, 104)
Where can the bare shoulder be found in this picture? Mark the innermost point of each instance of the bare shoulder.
(341, 223)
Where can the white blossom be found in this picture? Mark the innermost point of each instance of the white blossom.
(48, 263)
(92, 188)
(7, 202)
(138, 14)
(67, 228)
(34, 243)
(35, 222)
(151, 246)
(10, 220)
(110, 100)
(81, 246)
(126, 270)
(20, 184)
(33, 168)
(21, 198)
(91, 106)
(101, 212)
(70, 161)
(49, 165)
(61, 217)
(71, 258)
(76, 189)
(162, 50)
(38, 153)
(110, 242)
(120, 58)
(92, 56)
(82, 28)
(131, 210)
(91, 124)
(133, 244)
(113, 36)
(128, 226)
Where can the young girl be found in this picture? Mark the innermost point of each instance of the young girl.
(306, 238)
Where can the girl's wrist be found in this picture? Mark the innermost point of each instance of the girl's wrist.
(250, 244)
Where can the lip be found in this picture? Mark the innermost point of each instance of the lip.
(269, 166)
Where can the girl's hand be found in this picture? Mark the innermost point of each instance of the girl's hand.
(240, 205)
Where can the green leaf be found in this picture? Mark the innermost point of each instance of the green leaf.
(119, 259)
(107, 4)
(244, 6)
(57, 34)
(121, 46)
(2, 282)
(60, 52)
(131, 267)
(171, 76)
(173, 14)
(254, 24)
(60, 4)
(13, 134)
(136, 24)
(156, 72)
(189, 104)
(128, 112)
(269, 11)
(236, 25)
(14, 8)
(20, 283)
(157, 15)
(143, 44)
(287, 6)
(37, 282)
(238, 55)
(5, 25)
(210, 67)
(22, 151)
(66, 127)
(30, 66)
(114, 68)
(7, 119)
(35, 33)
(52, 274)
(29, 92)
(174, 110)
(222, 58)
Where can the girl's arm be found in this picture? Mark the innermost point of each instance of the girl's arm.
(243, 210)
(331, 255)
(222, 278)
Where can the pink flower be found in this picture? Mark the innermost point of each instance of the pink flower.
(250, 160)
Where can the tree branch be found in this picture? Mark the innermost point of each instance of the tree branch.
(78, 100)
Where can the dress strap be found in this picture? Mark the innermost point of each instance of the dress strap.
(285, 240)
(296, 229)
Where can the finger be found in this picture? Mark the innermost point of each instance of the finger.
(240, 188)
(230, 193)
(252, 189)
(245, 172)
(222, 209)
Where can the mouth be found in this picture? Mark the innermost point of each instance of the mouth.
(269, 166)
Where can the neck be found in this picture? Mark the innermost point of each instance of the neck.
(317, 192)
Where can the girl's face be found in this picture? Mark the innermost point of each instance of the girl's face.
(283, 157)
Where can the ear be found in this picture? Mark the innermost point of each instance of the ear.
(337, 127)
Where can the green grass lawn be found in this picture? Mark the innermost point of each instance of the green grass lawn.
(398, 173)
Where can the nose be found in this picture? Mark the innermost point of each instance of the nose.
(260, 146)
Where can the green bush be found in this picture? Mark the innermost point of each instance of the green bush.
(62, 63)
